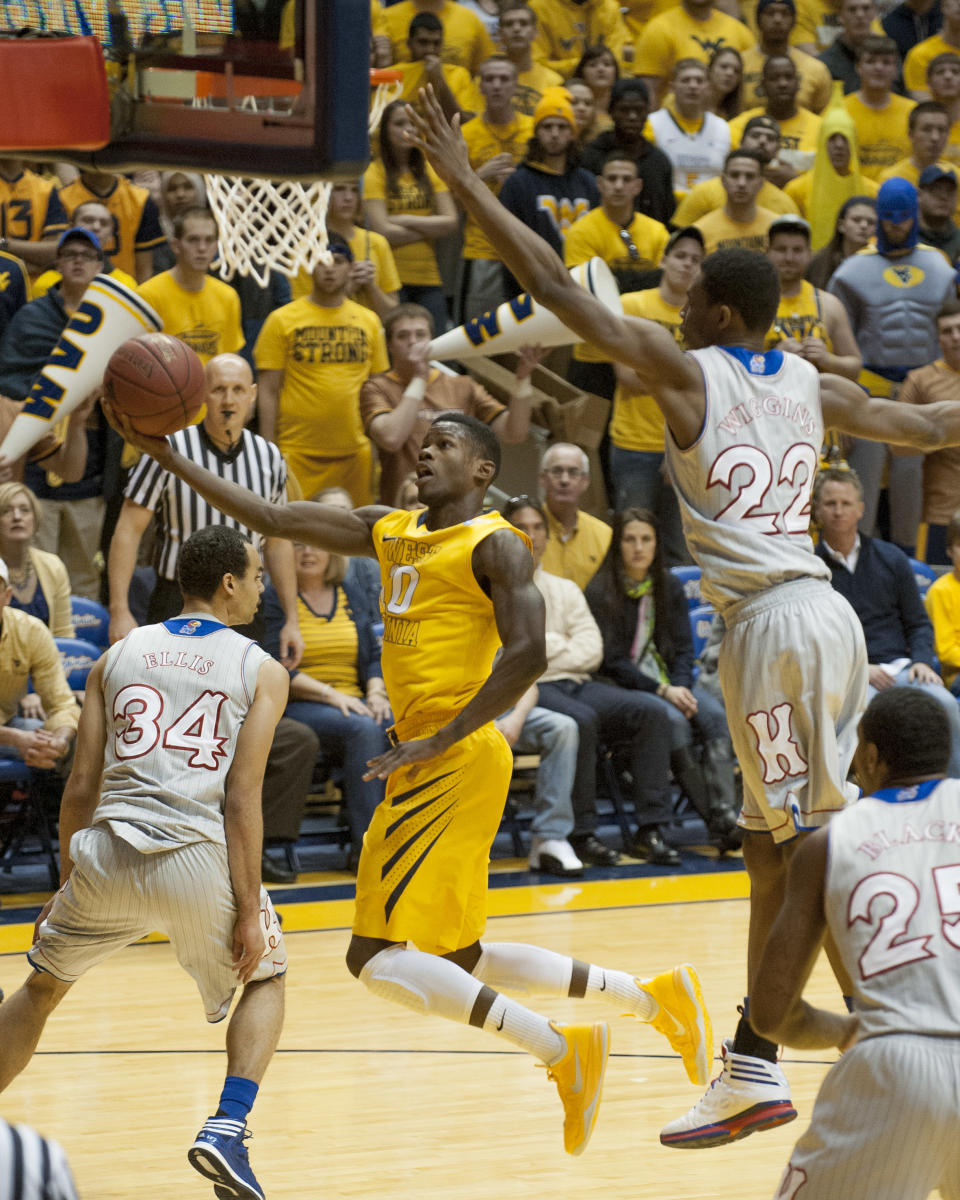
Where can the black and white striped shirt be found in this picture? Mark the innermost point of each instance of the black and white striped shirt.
(32, 1167)
(253, 463)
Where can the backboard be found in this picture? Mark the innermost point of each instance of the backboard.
(272, 88)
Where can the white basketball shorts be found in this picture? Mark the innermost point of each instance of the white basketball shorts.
(116, 895)
(793, 669)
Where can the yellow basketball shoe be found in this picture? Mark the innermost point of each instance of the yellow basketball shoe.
(683, 1019)
(579, 1079)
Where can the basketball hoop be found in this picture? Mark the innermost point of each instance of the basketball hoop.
(267, 226)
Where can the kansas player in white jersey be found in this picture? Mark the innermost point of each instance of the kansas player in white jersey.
(161, 829)
(884, 878)
(744, 431)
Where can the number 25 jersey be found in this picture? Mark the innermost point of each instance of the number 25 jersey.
(439, 633)
(744, 485)
(175, 696)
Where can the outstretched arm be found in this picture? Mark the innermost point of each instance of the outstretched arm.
(777, 1009)
(504, 562)
(319, 525)
(928, 427)
(643, 345)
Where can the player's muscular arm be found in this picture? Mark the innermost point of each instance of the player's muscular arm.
(929, 427)
(268, 402)
(503, 564)
(777, 1009)
(640, 344)
(243, 813)
(82, 791)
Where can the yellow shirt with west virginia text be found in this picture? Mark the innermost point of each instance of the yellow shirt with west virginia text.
(720, 233)
(439, 632)
(798, 135)
(485, 141)
(416, 262)
(208, 320)
(637, 422)
(325, 355)
(881, 132)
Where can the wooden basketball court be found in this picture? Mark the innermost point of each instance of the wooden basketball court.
(365, 1099)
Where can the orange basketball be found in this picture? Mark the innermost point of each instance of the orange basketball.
(158, 382)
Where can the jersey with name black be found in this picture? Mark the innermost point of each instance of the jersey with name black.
(175, 696)
(892, 901)
(744, 485)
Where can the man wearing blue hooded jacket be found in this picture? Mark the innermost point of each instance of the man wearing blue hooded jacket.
(892, 293)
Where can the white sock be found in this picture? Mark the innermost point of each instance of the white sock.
(515, 967)
(525, 1029)
(621, 989)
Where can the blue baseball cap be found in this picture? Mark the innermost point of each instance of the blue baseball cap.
(79, 231)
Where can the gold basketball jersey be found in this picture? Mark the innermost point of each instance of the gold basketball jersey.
(439, 633)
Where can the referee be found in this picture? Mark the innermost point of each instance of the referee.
(224, 445)
(32, 1167)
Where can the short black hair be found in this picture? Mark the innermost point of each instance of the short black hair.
(518, 503)
(481, 438)
(624, 89)
(209, 554)
(618, 156)
(922, 109)
(425, 20)
(744, 280)
(753, 155)
(910, 730)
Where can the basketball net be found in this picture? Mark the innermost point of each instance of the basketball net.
(267, 226)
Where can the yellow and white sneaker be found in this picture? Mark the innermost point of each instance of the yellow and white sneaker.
(579, 1079)
(683, 1019)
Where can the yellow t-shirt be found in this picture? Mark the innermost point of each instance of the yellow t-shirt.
(942, 603)
(486, 141)
(325, 355)
(458, 80)
(817, 22)
(919, 58)
(905, 169)
(675, 34)
(709, 195)
(45, 282)
(565, 30)
(416, 262)
(531, 85)
(208, 320)
(951, 152)
(439, 633)
(367, 245)
(595, 234)
(815, 82)
(799, 189)
(136, 216)
(330, 645)
(466, 42)
(799, 317)
(720, 233)
(881, 133)
(637, 422)
(798, 135)
(639, 13)
(578, 556)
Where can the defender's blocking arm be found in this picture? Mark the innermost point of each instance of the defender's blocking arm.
(319, 525)
(504, 562)
(926, 427)
(641, 344)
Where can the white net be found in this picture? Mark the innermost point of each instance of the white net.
(267, 226)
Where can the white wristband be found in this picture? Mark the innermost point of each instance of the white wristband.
(415, 389)
(523, 389)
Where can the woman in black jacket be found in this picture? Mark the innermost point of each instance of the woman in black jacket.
(647, 644)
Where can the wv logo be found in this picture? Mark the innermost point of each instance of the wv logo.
(708, 45)
(903, 275)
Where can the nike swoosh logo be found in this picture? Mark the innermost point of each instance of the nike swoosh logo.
(388, 538)
(502, 1019)
(603, 986)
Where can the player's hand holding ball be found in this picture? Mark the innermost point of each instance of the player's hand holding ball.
(157, 383)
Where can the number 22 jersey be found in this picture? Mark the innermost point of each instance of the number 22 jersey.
(744, 485)
(175, 696)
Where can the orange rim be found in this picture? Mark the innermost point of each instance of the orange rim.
(380, 75)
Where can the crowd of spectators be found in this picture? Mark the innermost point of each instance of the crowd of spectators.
(822, 133)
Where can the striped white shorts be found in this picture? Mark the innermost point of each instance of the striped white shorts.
(116, 895)
(885, 1125)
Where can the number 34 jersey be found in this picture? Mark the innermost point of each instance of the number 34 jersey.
(175, 696)
(439, 632)
(892, 901)
(744, 485)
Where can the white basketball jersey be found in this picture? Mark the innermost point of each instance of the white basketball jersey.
(744, 485)
(695, 157)
(892, 901)
(175, 696)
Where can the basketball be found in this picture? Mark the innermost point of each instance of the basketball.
(158, 382)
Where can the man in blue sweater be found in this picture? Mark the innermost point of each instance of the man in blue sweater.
(877, 579)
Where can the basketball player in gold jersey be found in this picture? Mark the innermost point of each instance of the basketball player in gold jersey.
(458, 584)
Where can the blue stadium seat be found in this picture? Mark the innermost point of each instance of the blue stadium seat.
(91, 621)
(923, 574)
(690, 578)
(77, 656)
(701, 618)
